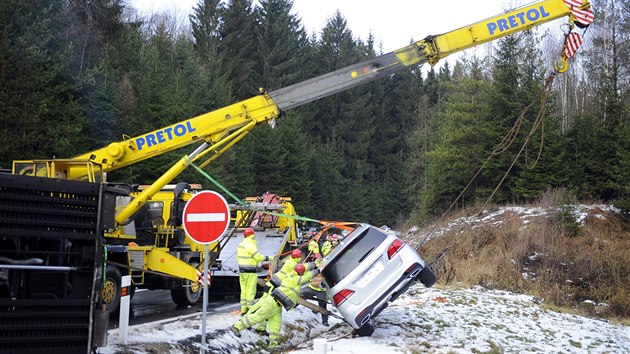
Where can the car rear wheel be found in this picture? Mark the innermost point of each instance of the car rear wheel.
(427, 277)
(366, 330)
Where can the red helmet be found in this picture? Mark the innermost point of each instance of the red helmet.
(248, 232)
(296, 254)
(299, 268)
(334, 237)
(317, 255)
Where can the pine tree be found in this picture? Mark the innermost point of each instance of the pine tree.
(457, 156)
(586, 159)
(599, 140)
(281, 154)
(335, 50)
(346, 119)
(540, 167)
(418, 143)
(170, 85)
(205, 22)
(389, 152)
(279, 48)
(327, 201)
(295, 178)
(39, 113)
(506, 104)
(432, 90)
(237, 48)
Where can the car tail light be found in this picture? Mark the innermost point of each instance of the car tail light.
(342, 296)
(394, 248)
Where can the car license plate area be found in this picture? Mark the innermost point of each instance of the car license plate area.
(370, 274)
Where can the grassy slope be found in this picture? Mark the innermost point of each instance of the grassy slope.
(580, 266)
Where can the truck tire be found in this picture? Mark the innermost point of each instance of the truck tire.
(110, 289)
(427, 277)
(366, 330)
(188, 293)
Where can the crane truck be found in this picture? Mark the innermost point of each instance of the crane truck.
(67, 234)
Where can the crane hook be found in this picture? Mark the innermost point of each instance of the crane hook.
(562, 66)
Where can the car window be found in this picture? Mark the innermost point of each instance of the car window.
(351, 256)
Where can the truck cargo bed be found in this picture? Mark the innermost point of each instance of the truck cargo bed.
(51, 260)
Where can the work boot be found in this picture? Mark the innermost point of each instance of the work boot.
(273, 348)
(262, 332)
(235, 331)
(325, 323)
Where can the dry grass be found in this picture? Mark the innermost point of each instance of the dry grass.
(550, 257)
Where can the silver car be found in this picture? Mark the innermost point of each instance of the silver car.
(368, 270)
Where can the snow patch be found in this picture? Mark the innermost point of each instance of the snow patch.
(422, 320)
(580, 212)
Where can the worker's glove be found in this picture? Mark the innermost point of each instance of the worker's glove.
(266, 288)
(316, 271)
(275, 280)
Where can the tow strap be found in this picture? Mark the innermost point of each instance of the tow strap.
(241, 202)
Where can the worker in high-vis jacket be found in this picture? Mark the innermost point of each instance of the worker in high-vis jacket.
(285, 296)
(314, 290)
(248, 258)
(313, 249)
(326, 247)
(287, 267)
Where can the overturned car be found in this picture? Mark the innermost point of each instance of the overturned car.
(367, 271)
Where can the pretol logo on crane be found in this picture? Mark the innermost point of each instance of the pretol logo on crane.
(164, 135)
(518, 19)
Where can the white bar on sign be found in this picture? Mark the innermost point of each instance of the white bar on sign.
(205, 217)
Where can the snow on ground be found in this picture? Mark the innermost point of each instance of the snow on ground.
(496, 218)
(423, 320)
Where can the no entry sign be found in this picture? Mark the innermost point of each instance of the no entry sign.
(206, 217)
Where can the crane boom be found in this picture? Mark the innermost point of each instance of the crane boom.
(431, 49)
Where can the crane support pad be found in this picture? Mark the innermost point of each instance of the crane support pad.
(51, 262)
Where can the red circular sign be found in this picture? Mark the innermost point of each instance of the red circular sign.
(206, 217)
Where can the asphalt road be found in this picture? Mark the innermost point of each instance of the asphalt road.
(154, 305)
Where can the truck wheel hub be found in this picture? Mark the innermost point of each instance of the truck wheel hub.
(109, 291)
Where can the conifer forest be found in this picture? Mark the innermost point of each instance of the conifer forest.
(76, 75)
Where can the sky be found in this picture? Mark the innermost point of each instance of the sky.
(393, 23)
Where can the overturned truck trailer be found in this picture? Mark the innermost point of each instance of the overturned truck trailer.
(51, 264)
